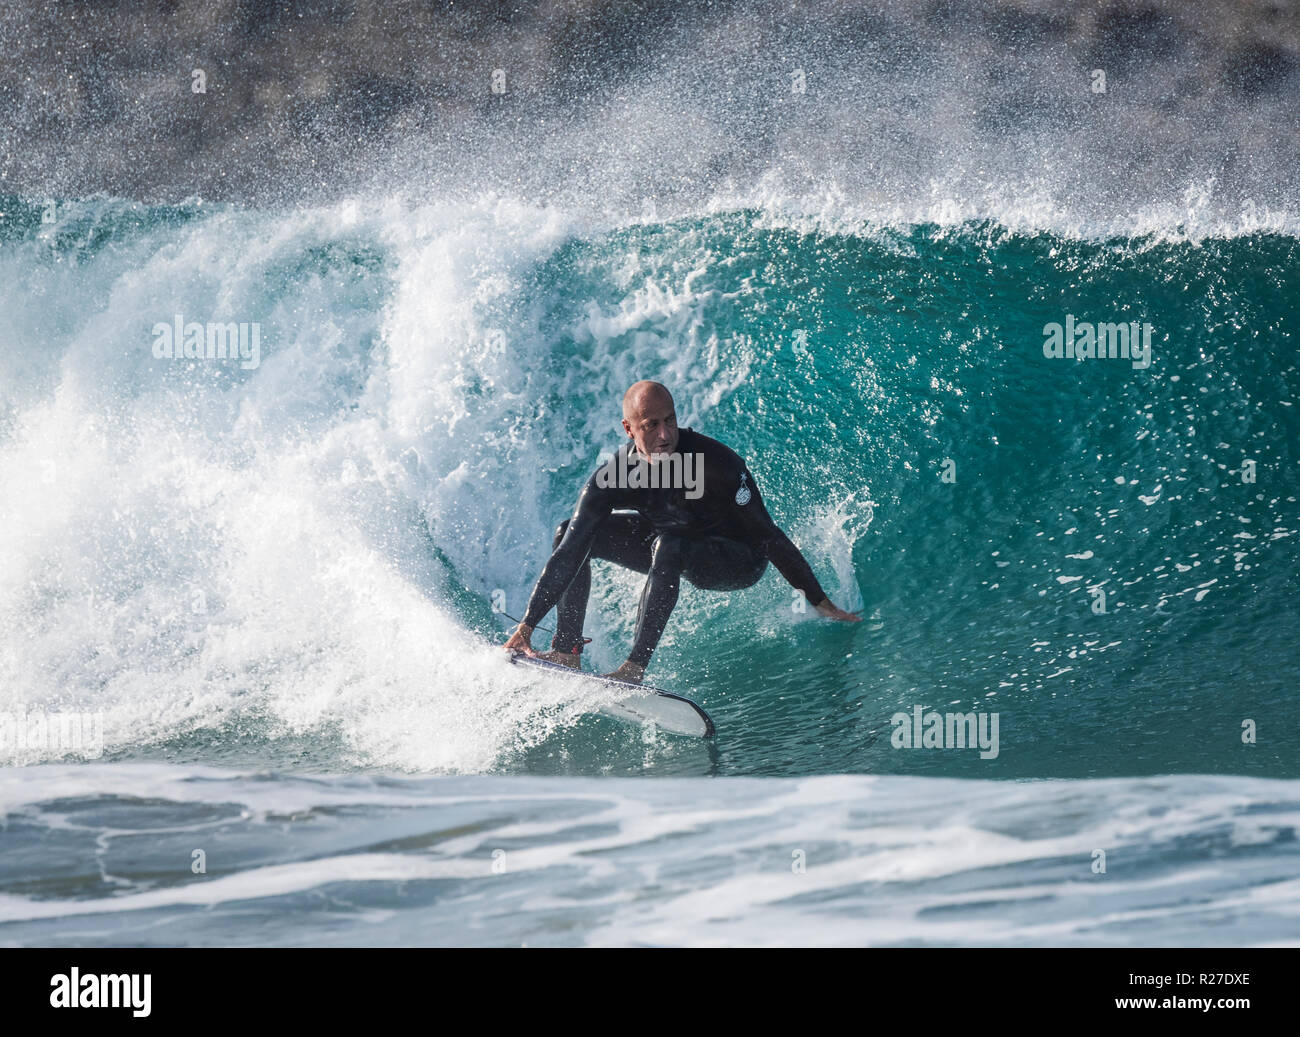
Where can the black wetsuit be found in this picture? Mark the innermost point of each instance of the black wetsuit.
(721, 540)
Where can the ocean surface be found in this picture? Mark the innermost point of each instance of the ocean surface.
(252, 603)
(276, 585)
(107, 855)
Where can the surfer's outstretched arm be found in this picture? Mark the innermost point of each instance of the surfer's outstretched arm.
(594, 506)
(780, 550)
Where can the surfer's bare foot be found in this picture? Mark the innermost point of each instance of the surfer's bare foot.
(629, 671)
(567, 658)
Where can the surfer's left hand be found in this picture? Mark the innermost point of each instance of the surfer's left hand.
(828, 609)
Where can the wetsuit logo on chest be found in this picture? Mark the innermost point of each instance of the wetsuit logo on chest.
(743, 494)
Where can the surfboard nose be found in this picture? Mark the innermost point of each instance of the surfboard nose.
(637, 703)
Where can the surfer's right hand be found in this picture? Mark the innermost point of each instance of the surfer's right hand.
(829, 609)
(519, 640)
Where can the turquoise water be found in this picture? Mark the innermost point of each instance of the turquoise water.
(925, 345)
(294, 564)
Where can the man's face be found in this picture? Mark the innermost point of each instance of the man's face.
(652, 424)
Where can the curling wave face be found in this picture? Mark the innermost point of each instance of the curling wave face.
(295, 562)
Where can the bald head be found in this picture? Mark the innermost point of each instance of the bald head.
(650, 418)
(643, 396)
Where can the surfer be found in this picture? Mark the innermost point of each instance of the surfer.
(719, 539)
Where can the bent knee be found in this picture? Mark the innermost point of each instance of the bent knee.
(668, 550)
(559, 533)
(725, 570)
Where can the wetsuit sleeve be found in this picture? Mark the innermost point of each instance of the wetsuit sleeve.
(594, 506)
(758, 529)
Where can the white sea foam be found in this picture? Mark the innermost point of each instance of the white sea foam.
(842, 860)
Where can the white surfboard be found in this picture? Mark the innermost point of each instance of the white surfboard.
(638, 703)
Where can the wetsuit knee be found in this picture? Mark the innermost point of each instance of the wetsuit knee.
(559, 534)
(668, 553)
(722, 564)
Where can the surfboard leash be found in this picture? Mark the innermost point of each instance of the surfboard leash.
(575, 650)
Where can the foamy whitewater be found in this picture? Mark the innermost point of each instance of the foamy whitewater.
(839, 861)
(272, 474)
